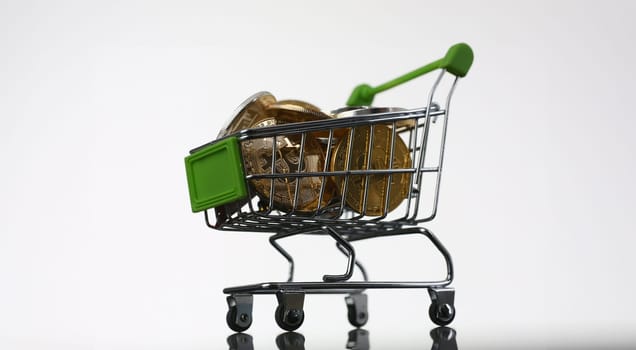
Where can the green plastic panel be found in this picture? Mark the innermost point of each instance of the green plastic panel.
(215, 175)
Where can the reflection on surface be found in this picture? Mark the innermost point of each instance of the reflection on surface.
(358, 339)
(444, 338)
(290, 341)
(240, 341)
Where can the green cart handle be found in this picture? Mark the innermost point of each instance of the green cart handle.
(457, 61)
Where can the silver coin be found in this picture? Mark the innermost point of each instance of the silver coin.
(347, 109)
(366, 111)
(243, 116)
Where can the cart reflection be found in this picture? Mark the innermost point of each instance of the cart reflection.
(358, 339)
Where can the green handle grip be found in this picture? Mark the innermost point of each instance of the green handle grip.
(457, 61)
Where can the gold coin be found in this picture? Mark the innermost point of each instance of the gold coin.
(298, 103)
(248, 113)
(258, 159)
(377, 184)
(294, 111)
(244, 115)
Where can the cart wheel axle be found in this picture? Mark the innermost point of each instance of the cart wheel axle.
(441, 314)
(290, 320)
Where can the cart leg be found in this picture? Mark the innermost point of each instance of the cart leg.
(442, 309)
(283, 252)
(343, 244)
(240, 341)
(365, 276)
(357, 309)
(351, 254)
(289, 313)
(426, 233)
(239, 314)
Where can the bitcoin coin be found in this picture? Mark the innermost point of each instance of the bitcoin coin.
(244, 115)
(248, 112)
(294, 111)
(377, 187)
(298, 103)
(260, 158)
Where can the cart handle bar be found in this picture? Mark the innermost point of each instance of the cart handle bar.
(457, 61)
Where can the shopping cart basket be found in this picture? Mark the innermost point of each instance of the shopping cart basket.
(377, 167)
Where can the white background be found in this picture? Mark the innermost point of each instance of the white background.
(100, 102)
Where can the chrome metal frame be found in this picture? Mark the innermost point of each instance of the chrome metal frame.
(337, 284)
(336, 219)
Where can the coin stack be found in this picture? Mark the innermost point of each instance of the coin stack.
(373, 194)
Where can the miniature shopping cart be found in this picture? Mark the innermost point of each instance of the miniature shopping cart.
(379, 175)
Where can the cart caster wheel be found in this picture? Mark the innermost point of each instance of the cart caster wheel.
(289, 314)
(289, 320)
(442, 309)
(239, 315)
(441, 314)
(236, 322)
(357, 309)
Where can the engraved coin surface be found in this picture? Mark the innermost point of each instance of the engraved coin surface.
(242, 118)
(259, 158)
(298, 103)
(295, 111)
(248, 113)
(377, 188)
